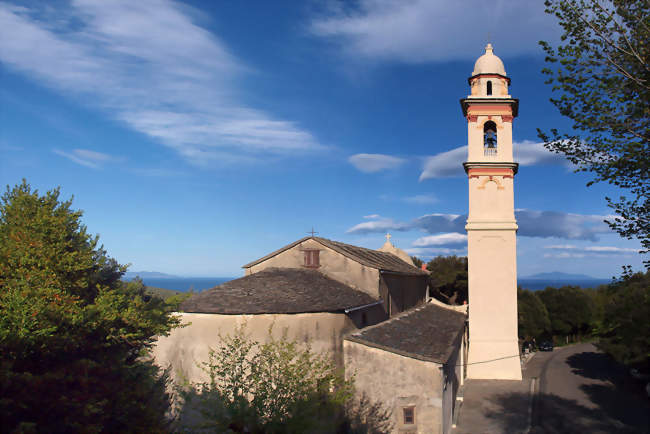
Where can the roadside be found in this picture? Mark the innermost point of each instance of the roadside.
(573, 389)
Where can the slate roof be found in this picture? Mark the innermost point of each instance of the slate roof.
(429, 332)
(278, 290)
(383, 261)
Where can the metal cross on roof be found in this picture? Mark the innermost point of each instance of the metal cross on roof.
(312, 232)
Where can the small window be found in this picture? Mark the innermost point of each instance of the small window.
(312, 259)
(364, 319)
(489, 87)
(409, 415)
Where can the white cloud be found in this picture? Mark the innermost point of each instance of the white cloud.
(370, 163)
(429, 252)
(449, 239)
(372, 216)
(421, 199)
(532, 223)
(151, 66)
(435, 30)
(568, 249)
(86, 157)
(450, 163)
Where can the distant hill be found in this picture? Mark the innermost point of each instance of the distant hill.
(148, 275)
(557, 275)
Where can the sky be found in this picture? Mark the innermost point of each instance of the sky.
(199, 136)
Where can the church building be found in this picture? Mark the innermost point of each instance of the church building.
(371, 310)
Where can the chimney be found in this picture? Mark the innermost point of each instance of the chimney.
(424, 267)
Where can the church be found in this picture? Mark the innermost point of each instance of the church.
(371, 309)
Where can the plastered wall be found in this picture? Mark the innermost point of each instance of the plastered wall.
(186, 347)
(332, 264)
(397, 382)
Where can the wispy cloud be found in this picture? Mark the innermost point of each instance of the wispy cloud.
(150, 65)
(421, 199)
(370, 163)
(431, 30)
(429, 252)
(372, 216)
(452, 239)
(449, 163)
(532, 223)
(86, 157)
(572, 251)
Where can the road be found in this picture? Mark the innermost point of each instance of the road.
(580, 390)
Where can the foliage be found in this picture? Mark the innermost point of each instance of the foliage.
(448, 278)
(569, 308)
(625, 330)
(272, 387)
(602, 73)
(533, 317)
(73, 337)
(417, 261)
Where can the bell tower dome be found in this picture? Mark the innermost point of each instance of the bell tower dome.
(491, 225)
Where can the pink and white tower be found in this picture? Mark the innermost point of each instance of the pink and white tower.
(491, 225)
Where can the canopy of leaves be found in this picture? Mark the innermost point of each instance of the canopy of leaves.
(569, 308)
(533, 317)
(276, 386)
(625, 330)
(72, 336)
(601, 71)
(448, 278)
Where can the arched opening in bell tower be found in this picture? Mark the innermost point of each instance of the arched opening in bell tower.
(489, 87)
(490, 138)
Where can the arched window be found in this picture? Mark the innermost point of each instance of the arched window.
(489, 87)
(490, 138)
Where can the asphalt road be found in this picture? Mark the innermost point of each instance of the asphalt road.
(581, 390)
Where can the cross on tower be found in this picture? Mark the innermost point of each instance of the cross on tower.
(388, 237)
(312, 232)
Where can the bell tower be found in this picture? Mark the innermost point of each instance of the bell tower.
(491, 225)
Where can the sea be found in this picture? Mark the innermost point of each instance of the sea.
(185, 284)
(539, 284)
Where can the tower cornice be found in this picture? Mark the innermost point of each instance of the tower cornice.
(491, 165)
(483, 74)
(465, 103)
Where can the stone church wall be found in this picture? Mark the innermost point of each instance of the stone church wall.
(398, 382)
(332, 264)
(187, 347)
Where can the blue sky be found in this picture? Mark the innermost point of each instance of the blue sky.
(199, 136)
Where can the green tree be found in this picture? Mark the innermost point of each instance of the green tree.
(533, 316)
(601, 70)
(417, 261)
(448, 278)
(625, 329)
(275, 386)
(73, 337)
(570, 310)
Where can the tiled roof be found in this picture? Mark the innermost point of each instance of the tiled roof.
(278, 290)
(372, 258)
(429, 332)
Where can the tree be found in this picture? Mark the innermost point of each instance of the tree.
(417, 261)
(601, 70)
(272, 387)
(570, 310)
(73, 336)
(625, 329)
(448, 278)
(533, 316)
